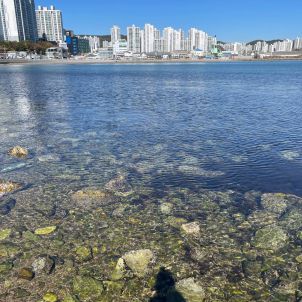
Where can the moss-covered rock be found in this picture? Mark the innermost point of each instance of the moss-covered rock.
(87, 289)
(83, 253)
(271, 237)
(8, 250)
(50, 297)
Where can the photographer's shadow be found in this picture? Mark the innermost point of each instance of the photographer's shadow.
(165, 288)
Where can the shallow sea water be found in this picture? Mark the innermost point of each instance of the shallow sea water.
(173, 159)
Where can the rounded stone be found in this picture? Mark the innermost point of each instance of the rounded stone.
(26, 273)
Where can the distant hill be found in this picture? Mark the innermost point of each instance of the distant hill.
(268, 42)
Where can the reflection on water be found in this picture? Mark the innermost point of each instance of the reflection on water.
(175, 160)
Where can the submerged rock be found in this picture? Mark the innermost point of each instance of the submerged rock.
(90, 197)
(119, 186)
(271, 237)
(275, 203)
(290, 155)
(5, 233)
(18, 152)
(292, 220)
(195, 170)
(7, 205)
(192, 228)
(191, 290)
(26, 273)
(45, 231)
(8, 187)
(139, 261)
(43, 264)
(87, 288)
(166, 208)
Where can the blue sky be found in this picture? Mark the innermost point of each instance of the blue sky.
(230, 20)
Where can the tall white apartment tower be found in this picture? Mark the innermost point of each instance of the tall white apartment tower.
(18, 20)
(49, 23)
(134, 39)
(115, 34)
(149, 36)
(168, 35)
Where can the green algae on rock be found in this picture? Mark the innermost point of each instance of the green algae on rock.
(50, 297)
(87, 289)
(83, 253)
(5, 233)
(45, 231)
(271, 237)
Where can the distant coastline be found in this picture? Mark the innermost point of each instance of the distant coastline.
(118, 62)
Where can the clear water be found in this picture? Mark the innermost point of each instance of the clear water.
(186, 132)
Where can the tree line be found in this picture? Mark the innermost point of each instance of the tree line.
(34, 47)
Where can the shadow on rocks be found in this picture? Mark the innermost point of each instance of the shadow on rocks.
(165, 288)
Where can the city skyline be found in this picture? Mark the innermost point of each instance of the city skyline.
(229, 21)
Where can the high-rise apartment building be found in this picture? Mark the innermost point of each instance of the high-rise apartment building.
(198, 39)
(134, 39)
(49, 23)
(18, 20)
(149, 36)
(115, 34)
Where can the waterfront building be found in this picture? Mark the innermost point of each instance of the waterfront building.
(83, 46)
(49, 23)
(94, 42)
(298, 44)
(18, 20)
(134, 39)
(120, 47)
(115, 34)
(72, 42)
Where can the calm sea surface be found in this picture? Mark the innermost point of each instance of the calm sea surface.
(165, 140)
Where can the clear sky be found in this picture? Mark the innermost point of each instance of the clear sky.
(230, 20)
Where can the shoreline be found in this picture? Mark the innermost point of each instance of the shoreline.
(136, 62)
